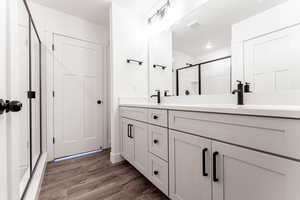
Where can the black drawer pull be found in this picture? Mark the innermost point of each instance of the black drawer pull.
(203, 162)
(130, 131)
(155, 117)
(155, 172)
(215, 154)
(155, 141)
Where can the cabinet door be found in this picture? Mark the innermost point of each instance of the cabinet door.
(190, 174)
(127, 141)
(250, 175)
(139, 134)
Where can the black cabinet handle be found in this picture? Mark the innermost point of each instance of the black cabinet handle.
(130, 131)
(155, 141)
(215, 154)
(203, 162)
(155, 172)
(155, 117)
(99, 102)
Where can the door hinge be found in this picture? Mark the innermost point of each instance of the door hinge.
(31, 94)
(52, 47)
(53, 140)
(53, 94)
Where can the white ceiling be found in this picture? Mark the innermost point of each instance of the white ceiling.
(96, 11)
(214, 20)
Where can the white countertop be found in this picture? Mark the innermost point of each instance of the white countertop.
(255, 110)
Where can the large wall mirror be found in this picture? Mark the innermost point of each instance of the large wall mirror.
(221, 42)
(202, 50)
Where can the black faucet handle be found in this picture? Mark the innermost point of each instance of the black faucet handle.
(239, 82)
(166, 93)
(247, 87)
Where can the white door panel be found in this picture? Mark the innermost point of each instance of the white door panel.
(250, 175)
(271, 61)
(140, 137)
(90, 108)
(190, 177)
(127, 141)
(78, 119)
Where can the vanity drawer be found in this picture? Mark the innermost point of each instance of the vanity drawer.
(158, 173)
(158, 141)
(140, 114)
(158, 117)
(274, 135)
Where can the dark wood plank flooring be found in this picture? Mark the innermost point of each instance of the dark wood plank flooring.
(93, 177)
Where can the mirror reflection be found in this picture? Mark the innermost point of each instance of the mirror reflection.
(202, 47)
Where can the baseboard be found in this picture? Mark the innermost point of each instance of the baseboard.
(34, 188)
(115, 157)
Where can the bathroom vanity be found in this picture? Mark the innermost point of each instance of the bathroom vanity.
(198, 144)
(214, 152)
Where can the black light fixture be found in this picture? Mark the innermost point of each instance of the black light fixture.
(161, 12)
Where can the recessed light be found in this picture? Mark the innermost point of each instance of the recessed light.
(193, 24)
(208, 46)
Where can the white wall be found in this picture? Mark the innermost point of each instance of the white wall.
(214, 54)
(48, 22)
(128, 41)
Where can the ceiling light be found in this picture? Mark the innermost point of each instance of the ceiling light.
(160, 12)
(208, 46)
(193, 24)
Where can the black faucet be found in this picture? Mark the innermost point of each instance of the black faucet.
(157, 95)
(240, 93)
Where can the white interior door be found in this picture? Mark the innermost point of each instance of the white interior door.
(78, 75)
(271, 61)
(3, 95)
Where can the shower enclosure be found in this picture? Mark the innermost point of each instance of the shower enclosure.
(29, 91)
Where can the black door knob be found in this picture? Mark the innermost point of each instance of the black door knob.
(14, 106)
(2, 106)
(10, 106)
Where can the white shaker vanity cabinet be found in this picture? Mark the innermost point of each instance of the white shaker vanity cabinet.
(145, 145)
(218, 156)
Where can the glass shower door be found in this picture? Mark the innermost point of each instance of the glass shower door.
(23, 118)
(35, 87)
